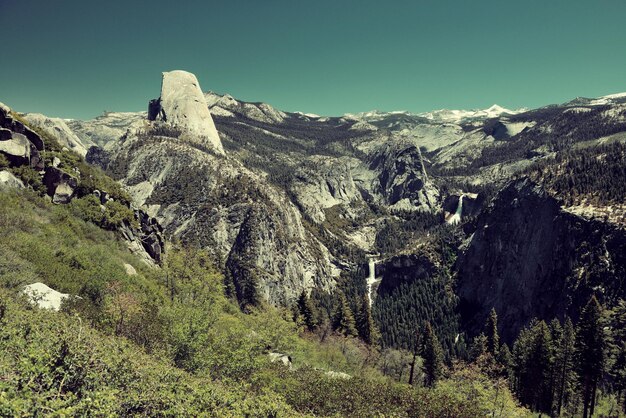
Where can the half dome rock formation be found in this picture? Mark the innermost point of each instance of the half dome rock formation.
(183, 105)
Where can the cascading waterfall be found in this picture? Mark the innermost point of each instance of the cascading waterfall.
(456, 218)
(371, 278)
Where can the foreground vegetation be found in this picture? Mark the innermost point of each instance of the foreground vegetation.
(167, 341)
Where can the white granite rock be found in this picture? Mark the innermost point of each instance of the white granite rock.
(44, 296)
(7, 179)
(183, 105)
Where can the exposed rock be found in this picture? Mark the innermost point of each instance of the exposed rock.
(182, 105)
(8, 180)
(58, 129)
(402, 177)
(17, 149)
(107, 128)
(530, 259)
(321, 183)
(44, 296)
(59, 185)
(130, 270)
(228, 106)
(285, 359)
(97, 156)
(5, 134)
(252, 229)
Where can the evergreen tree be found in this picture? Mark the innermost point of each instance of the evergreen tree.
(478, 347)
(491, 330)
(433, 356)
(533, 355)
(564, 366)
(365, 323)
(590, 350)
(618, 352)
(307, 311)
(343, 318)
(539, 368)
(505, 360)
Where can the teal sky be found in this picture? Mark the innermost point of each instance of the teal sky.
(77, 58)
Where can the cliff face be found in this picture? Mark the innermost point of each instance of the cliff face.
(530, 258)
(182, 105)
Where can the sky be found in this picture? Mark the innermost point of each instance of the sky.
(78, 58)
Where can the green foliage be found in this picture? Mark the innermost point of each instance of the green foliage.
(167, 341)
(590, 350)
(432, 355)
(4, 162)
(365, 325)
(596, 174)
(343, 318)
(30, 178)
(491, 330)
(307, 311)
(111, 215)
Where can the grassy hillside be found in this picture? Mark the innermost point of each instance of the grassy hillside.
(167, 342)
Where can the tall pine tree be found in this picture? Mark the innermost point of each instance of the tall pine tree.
(433, 356)
(590, 350)
(343, 318)
(491, 330)
(365, 323)
(307, 311)
(564, 367)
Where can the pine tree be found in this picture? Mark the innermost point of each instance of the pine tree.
(618, 351)
(505, 360)
(365, 323)
(590, 350)
(491, 330)
(539, 368)
(478, 347)
(533, 355)
(343, 318)
(307, 311)
(433, 356)
(565, 367)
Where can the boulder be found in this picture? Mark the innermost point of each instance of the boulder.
(280, 358)
(8, 180)
(5, 134)
(130, 270)
(44, 296)
(55, 127)
(59, 185)
(17, 149)
(152, 245)
(183, 105)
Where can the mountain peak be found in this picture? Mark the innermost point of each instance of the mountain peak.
(183, 105)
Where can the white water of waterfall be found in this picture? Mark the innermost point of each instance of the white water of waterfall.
(456, 218)
(371, 279)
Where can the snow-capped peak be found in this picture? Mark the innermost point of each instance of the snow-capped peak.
(456, 116)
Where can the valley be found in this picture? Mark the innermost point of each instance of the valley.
(376, 235)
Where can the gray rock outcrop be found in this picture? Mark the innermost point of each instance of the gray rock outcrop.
(182, 105)
(58, 129)
(59, 185)
(528, 258)
(8, 180)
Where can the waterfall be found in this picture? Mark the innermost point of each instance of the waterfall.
(371, 278)
(456, 218)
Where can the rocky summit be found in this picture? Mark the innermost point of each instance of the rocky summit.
(182, 105)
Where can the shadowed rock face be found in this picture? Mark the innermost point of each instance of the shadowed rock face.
(182, 105)
(529, 258)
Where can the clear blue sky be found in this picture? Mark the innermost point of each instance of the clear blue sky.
(76, 58)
